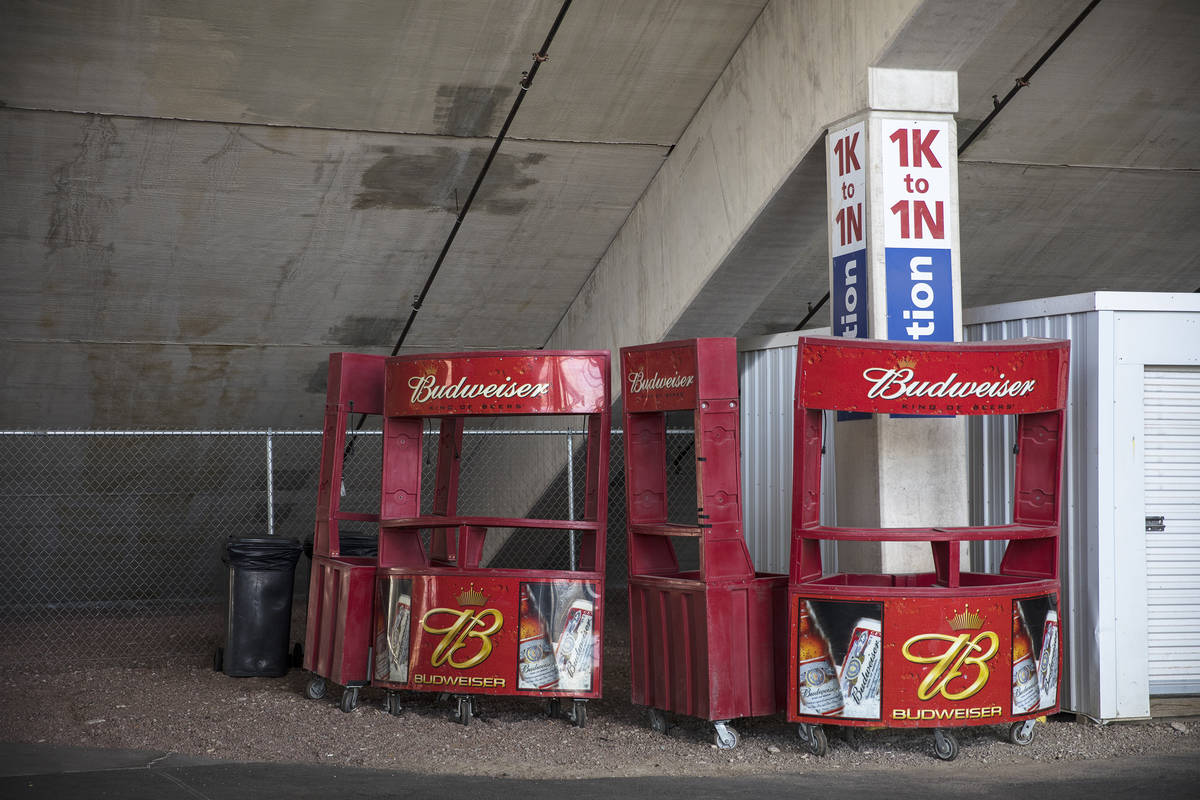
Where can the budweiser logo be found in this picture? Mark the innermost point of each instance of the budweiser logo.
(638, 382)
(426, 388)
(890, 384)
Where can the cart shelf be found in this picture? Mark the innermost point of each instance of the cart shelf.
(350, 516)
(969, 533)
(666, 529)
(490, 522)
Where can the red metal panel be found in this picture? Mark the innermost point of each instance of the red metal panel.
(357, 378)
(717, 381)
(1020, 377)
(715, 652)
(660, 377)
(469, 633)
(339, 619)
(497, 383)
(678, 375)
(766, 625)
(940, 661)
(728, 648)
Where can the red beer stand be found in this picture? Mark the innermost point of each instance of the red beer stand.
(443, 622)
(337, 639)
(951, 647)
(706, 643)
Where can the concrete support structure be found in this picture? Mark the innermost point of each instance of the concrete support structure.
(895, 274)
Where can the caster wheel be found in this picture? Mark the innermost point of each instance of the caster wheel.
(1022, 732)
(315, 689)
(814, 738)
(391, 704)
(658, 720)
(349, 699)
(726, 738)
(298, 655)
(945, 746)
(464, 711)
(219, 659)
(579, 713)
(552, 708)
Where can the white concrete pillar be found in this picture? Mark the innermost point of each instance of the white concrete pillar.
(894, 274)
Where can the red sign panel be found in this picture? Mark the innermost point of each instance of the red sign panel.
(659, 379)
(497, 383)
(1018, 377)
(487, 635)
(924, 662)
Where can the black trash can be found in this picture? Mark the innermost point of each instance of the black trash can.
(258, 613)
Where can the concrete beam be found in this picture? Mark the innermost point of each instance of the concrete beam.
(802, 66)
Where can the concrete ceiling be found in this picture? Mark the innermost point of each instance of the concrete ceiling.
(202, 200)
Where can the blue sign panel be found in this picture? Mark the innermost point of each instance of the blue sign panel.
(849, 301)
(920, 300)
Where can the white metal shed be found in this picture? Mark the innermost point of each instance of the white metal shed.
(1131, 543)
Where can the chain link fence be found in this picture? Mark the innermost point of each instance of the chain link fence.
(113, 540)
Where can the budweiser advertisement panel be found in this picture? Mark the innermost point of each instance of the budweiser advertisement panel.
(487, 635)
(885, 377)
(916, 661)
(659, 379)
(496, 383)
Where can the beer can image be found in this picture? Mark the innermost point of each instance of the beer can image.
(861, 670)
(1048, 662)
(573, 649)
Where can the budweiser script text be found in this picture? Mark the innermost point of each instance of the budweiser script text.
(426, 388)
(638, 382)
(892, 383)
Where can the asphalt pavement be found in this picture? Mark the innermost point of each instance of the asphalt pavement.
(68, 773)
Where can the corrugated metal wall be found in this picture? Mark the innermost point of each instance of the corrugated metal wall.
(767, 374)
(991, 460)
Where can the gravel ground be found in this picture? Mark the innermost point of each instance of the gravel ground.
(190, 709)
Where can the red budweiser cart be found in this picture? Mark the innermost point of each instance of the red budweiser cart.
(705, 643)
(947, 648)
(341, 587)
(445, 623)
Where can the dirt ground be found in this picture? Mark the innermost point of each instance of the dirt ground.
(187, 707)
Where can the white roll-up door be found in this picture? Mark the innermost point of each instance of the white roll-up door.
(1172, 486)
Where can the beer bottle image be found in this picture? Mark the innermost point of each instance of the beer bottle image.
(1025, 674)
(1048, 662)
(397, 640)
(817, 679)
(536, 667)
